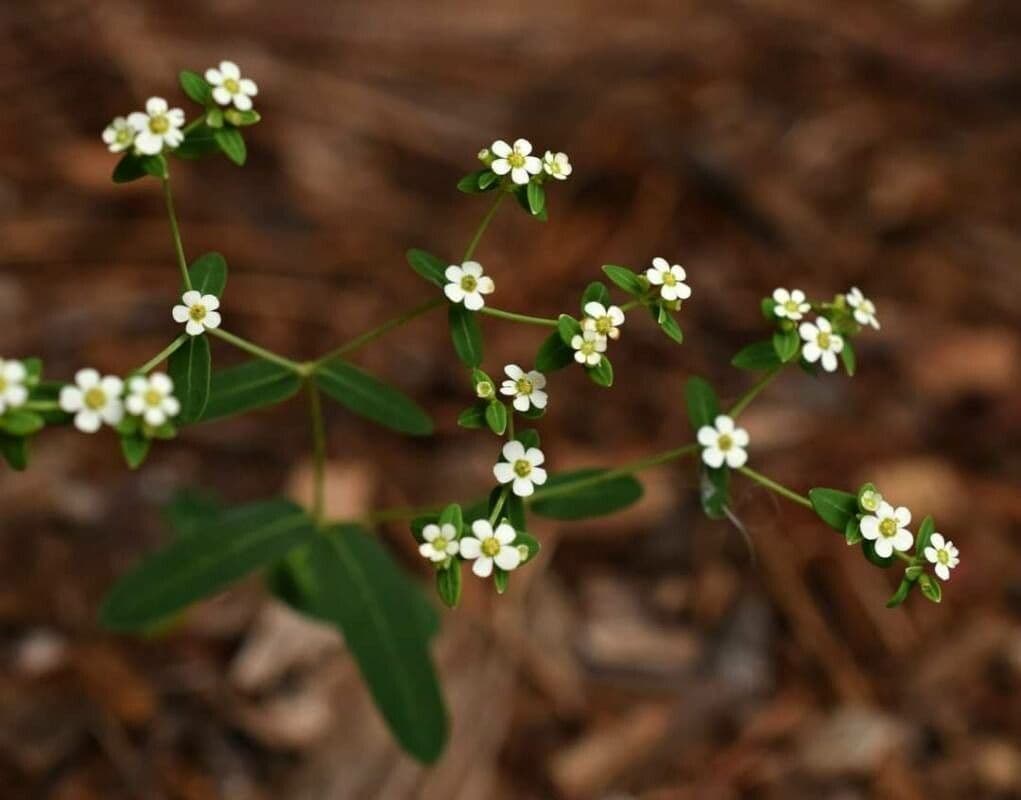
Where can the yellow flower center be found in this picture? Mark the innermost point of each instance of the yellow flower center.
(95, 398)
(468, 283)
(524, 386)
(440, 544)
(823, 340)
(197, 312)
(484, 389)
(153, 398)
(669, 279)
(522, 468)
(124, 136)
(943, 556)
(3, 384)
(888, 527)
(490, 546)
(159, 124)
(516, 160)
(791, 306)
(725, 442)
(232, 86)
(604, 325)
(588, 347)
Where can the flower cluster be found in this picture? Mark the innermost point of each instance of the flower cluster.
(197, 312)
(723, 443)
(516, 162)
(149, 132)
(96, 399)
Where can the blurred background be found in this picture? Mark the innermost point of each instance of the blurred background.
(653, 654)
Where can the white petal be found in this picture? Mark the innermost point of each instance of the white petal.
(823, 324)
(740, 437)
(473, 301)
(214, 76)
(537, 378)
(661, 263)
(454, 292)
(514, 372)
(724, 424)
(654, 276)
(148, 143)
(161, 382)
(513, 450)
(931, 554)
(482, 529)
(212, 320)
(683, 291)
(155, 417)
(483, 566)
(242, 102)
(194, 328)
(713, 457)
(248, 87)
(191, 297)
(503, 471)
(172, 406)
(155, 105)
(230, 70)
(829, 361)
(936, 540)
(471, 547)
(903, 516)
(669, 292)
(87, 421)
(523, 487)
(869, 527)
(426, 550)
(808, 331)
(138, 121)
(180, 313)
(112, 413)
(14, 372)
(501, 148)
(509, 388)
(501, 166)
(535, 456)
(521, 403)
(736, 457)
(505, 533)
(539, 398)
(430, 532)
(616, 315)
(811, 352)
(508, 558)
(942, 571)
(111, 386)
(135, 404)
(522, 146)
(473, 268)
(595, 309)
(538, 476)
(781, 295)
(211, 302)
(70, 399)
(707, 436)
(520, 176)
(15, 396)
(533, 165)
(485, 285)
(884, 547)
(903, 540)
(86, 378)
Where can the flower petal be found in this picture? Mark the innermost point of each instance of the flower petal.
(483, 566)
(508, 558)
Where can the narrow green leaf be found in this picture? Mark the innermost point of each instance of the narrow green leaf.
(757, 356)
(496, 417)
(369, 397)
(214, 119)
(930, 587)
(196, 87)
(501, 580)
(595, 292)
(925, 532)
(523, 195)
(477, 182)
(14, 450)
(529, 437)
(848, 357)
(466, 334)
(834, 507)
(590, 500)
(625, 279)
(156, 166)
(18, 422)
(452, 515)
(428, 266)
(190, 509)
(568, 327)
(536, 198)
(602, 373)
(448, 583)
(135, 448)
(852, 531)
(903, 590)
(242, 119)
(530, 543)
(132, 167)
(197, 143)
(254, 384)
(667, 323)
(236, 543)
(787, 345)
(554, 354)
(189, 367)
(715, 491)
(703, 406)
(208, 274)
(473, 416)
(232, 143)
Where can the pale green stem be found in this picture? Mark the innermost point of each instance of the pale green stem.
(315, 407)
(380, 330)
(498, 506)
(474, 243)
(751, 394)
(259, 352)
(773, 486)
(514, 317)
(175, 233)
(163, 355)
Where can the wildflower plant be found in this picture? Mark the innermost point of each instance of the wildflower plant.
(335, 570)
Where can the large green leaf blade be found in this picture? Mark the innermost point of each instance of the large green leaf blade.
(254, 384)
(196, 566)
(834, 507)
(369, 397)
(208, 274)
(427, 265)
(190, 367)
(360, 589)
(593, 499)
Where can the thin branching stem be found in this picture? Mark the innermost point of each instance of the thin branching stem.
(773, 486)
(175, 233)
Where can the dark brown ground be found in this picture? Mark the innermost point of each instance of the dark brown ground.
(760, 143)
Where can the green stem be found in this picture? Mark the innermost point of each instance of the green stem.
(631, 304)
(41, 405)
(515, 317)
(498, 506)
(474, 243)
(379, 330)
(751, 394)
(163, 355)
(315, 408)
(175, 233)
(773, 486)
(260, 352)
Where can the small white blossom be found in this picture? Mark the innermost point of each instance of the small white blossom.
(156, 128)
(790, 305)
(521, 468)
(525, 387)
(93, 400)
(229, 87)
(485, 546)
(870, 499)
(13, 392)
(943, 554)
(722, 442)
(152, 398)
(467, 285)
(820, 343)
(440, 542)
(588, 348)
(198, 311)
(864, 309)
(119, 135)
(604, 320)
(557, 165)
(888, 528)
(516, 160)
(670, 279)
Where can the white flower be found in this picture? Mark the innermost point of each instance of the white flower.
(605, 321)
(157, 128)
(888, 528)
(198, 311)
(229, 87)
(93, 400)
(790, 305)
(484, 546)
(13, 392)
(669, 278)
(525, 387)
(516, 160)
(557, 165)
(152, 398)
(870, 499)
(943, 554)
(723, 442)
(440, 542)
(588, 347)
(864, 309)
(119, 135)
(521, 467)
(821, 342)
(467, 285)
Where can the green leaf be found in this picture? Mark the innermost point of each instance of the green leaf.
(930, 588)
(530, 542)
(903, 590)
(50, 391)
(428, 266)
(189, 367)
(568, 327)
(595, 292)
(868, 548)
(715, 491)
(452, 515)
(852, 531)
(523, 194)
(554, 354)
(529, 437)
(254, 384)
(132, 167)
(374, 604)
(593, 499)
(448, 583)
(834, 507)
(191, 509)
(197, 142)
(236, 543)
(667, 323)
(625, 279)
(214, 119)
(242, 119)
(466, 334)
(135, 448)
(848, 357)
(473, 416)
(786, 345)
(757, 356)
(703, 406)
(482, 180)
(208, 274)
(602, 373)
(496, 417)
(14, 450)
(18, 422)
(232, 143)
(196, 87)
(368, 397)
(925, 532)
(768, 306)
(536, 198)
(501, 580)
